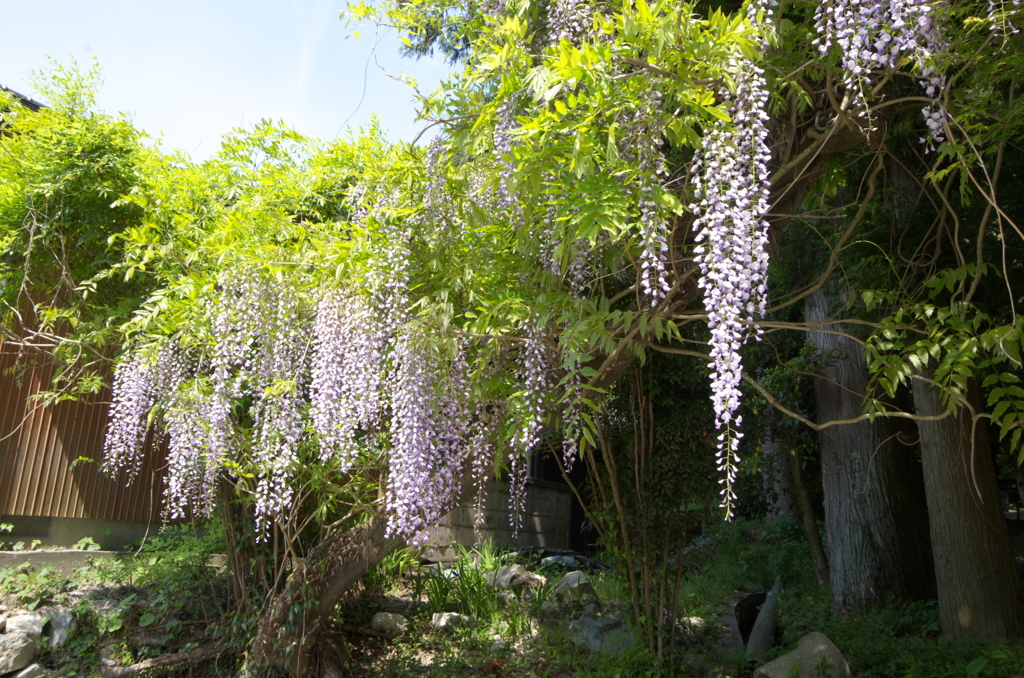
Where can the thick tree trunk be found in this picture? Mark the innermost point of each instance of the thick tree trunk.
(875, 513)
(291, 630)
(979, 588)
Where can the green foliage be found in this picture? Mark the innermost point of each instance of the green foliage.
(32, 587)
(86, 544)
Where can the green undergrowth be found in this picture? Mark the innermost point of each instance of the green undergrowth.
(162, 597)
(166, 597)
(515, 636)
(899, 640)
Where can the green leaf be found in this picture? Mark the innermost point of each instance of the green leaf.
(147, 619)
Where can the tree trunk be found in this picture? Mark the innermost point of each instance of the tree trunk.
(288, 638)
(979, 587)
(875, 513)
(777, 480)
(808, 520)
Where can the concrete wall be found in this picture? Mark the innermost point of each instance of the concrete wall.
(66, 532)
(545, 520)
(545, 523)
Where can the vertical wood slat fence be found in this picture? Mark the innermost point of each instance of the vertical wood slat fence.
(39, 446)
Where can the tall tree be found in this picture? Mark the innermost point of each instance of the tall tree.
(875, 513)
(979, 585)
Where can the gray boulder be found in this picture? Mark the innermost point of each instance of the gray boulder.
(31, 624)
(814, 653)
(515, 578)
(390, 623)
(61, 624)
(575, 587)
(609, 634)
(446, 621)
(16, 651)
(549, 610)
(34, 671)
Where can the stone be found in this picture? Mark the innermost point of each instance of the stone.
(567, 562)
(390, 623)
(3, 624)
(549, 610)
(813, 654)
(31, 624)
(575, 587)
(614, 609)
(498, 646)
(514, 578)
(34, 671)
(692, 623)
(60, 626)
(16, 651)
(446, 621)
(602, 634)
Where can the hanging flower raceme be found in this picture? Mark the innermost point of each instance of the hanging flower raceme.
(484, 446)
(731, 185)
(279, 391)
(876, 35)
(131, 402)
(537, 381)
(428, 437)
(348, 374)
(641, 144)
(570, 20)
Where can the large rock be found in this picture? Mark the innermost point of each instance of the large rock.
(16, 651)
(390, 623)
(602, 634)
(30, 624)
(515, 578)
(575, 587)
(3, 624)
(446, 621)
(61, 624)
(34, 671)
(814, 653)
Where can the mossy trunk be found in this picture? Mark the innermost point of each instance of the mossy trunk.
(875, 512)
(979, 587)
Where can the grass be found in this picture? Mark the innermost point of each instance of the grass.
(167, 592)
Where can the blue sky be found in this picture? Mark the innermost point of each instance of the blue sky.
(188, 71)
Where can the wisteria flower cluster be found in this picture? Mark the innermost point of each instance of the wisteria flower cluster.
(346, 393)
(570, 20)
(537, 382)
(641, 143)
(132, 398)
(731, 186)
(876, 35)
(484, 444)
(429, 437)
(507, 197)
(999, 16)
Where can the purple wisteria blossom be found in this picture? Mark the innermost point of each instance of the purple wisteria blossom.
(429, 434)
(347, 390)
(731, 186)
(537, 382)
(875, 35)
(132, 399)
(570, 20)
(641, 144)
